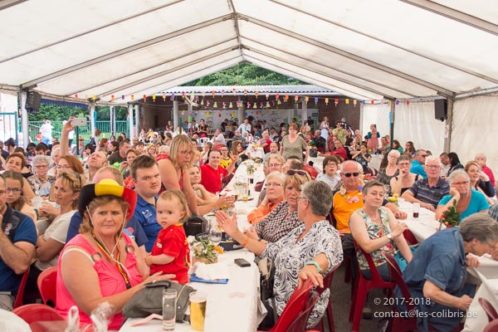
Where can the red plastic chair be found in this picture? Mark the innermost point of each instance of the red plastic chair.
(488, 308)
(40, 317)
(297, 311)
(363, 286)
(329, 313)
(20, 291)
(46, 282)
(491, 326)
(409, 237)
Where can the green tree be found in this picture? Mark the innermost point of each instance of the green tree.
(244, 74)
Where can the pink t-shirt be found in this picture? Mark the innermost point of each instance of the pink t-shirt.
(110, 280)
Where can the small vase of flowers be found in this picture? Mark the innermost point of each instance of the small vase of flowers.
(205, 252)
(450, 217)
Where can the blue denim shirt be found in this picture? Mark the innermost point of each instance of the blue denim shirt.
(145, 214)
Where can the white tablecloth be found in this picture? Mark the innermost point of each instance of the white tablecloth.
(230, 307)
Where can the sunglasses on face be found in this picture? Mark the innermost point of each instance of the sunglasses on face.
(348, 175)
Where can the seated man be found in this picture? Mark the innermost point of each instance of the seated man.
(436, 275)
(17, 248)
(428, 192)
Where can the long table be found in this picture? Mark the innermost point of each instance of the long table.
(230, 307)
(487, 272)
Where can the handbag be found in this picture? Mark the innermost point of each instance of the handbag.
(149, 300)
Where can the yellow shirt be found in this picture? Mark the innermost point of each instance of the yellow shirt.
(343, 207)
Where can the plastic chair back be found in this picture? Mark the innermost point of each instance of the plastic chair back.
(298, 303)
(491, 326)
(40, 317)
(488, 308)
(20, 291)
(47, 281)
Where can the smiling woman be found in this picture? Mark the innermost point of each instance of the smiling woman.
(102, 264)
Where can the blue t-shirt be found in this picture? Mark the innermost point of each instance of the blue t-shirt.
(477, 203)
(145, 215)
(417, 168)
(133, 229)
(25, 231)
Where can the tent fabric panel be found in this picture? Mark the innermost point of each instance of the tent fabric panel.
(293, 68)
(114, 86)
(108, 40)
(475, 49)
(304, 63)
(377, 114)
(145, 58)
(483, 9)
(147, 84)
(58, 17)
(361, 45)
(474, 129)
(276, 40)
(182, 79)
(306, 77)
(428, 133)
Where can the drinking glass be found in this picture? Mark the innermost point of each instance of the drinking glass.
(169, 309)
(215, 233)
(416, 210)
(197, 310)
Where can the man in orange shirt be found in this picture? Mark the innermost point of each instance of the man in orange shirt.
(347, 200)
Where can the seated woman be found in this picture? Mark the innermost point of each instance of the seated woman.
(468, 200)
(362, 157)
(13, 184)
(375, 230)
(329, 174)
(480, 181)
(206, 201)
(41, 182)
(274, 186)
(309, 252)
(404, 180)
(102, 264)
(16, 162)
(283, 218)
(390, 169)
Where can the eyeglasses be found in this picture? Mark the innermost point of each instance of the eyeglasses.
(13, 190)
(432, 166)
(275, 165)
(348, 175)
(297, 171)
(460, 183)
(275, 185)
(41, 166)
(303, 197)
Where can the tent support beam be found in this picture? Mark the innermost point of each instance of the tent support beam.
(138, 92)
(284, 71)
(127, 50)
(455, 15)
(449, 126)
(443, 91)
(22, 98)
(235, 24)
(453, 66)
(8, 3)
(166, 72)
(88, 31)
(329, 67)
(149, 67)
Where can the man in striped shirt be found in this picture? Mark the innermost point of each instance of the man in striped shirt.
(428, 192)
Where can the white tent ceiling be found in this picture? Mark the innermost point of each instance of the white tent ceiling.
(363, 49)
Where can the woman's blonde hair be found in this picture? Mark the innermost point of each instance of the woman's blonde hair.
(296, 180)
(75, 181)
(86, 225)
(169, 194)
(178, 142)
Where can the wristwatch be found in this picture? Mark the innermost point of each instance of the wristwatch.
(390, 236)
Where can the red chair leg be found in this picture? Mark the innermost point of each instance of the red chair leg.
(330, 316)
(360, 298)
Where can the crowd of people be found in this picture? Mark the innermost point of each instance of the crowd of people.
(110, 217)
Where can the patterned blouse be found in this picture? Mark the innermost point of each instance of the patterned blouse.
(375, 231)
(278, 223)
(290, 255)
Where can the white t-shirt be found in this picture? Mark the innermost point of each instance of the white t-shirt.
(57, 231)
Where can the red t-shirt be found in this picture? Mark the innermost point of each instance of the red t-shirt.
(172, 241)
(212, 178)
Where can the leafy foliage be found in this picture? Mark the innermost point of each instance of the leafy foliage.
(451, 217)
(244, 74)
(56, 112)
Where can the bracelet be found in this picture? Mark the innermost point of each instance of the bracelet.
(315, 264)
(244, 243)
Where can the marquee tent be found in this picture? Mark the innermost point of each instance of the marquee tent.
(406, 51)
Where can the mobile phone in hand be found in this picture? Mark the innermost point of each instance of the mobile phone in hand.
(242, 262)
